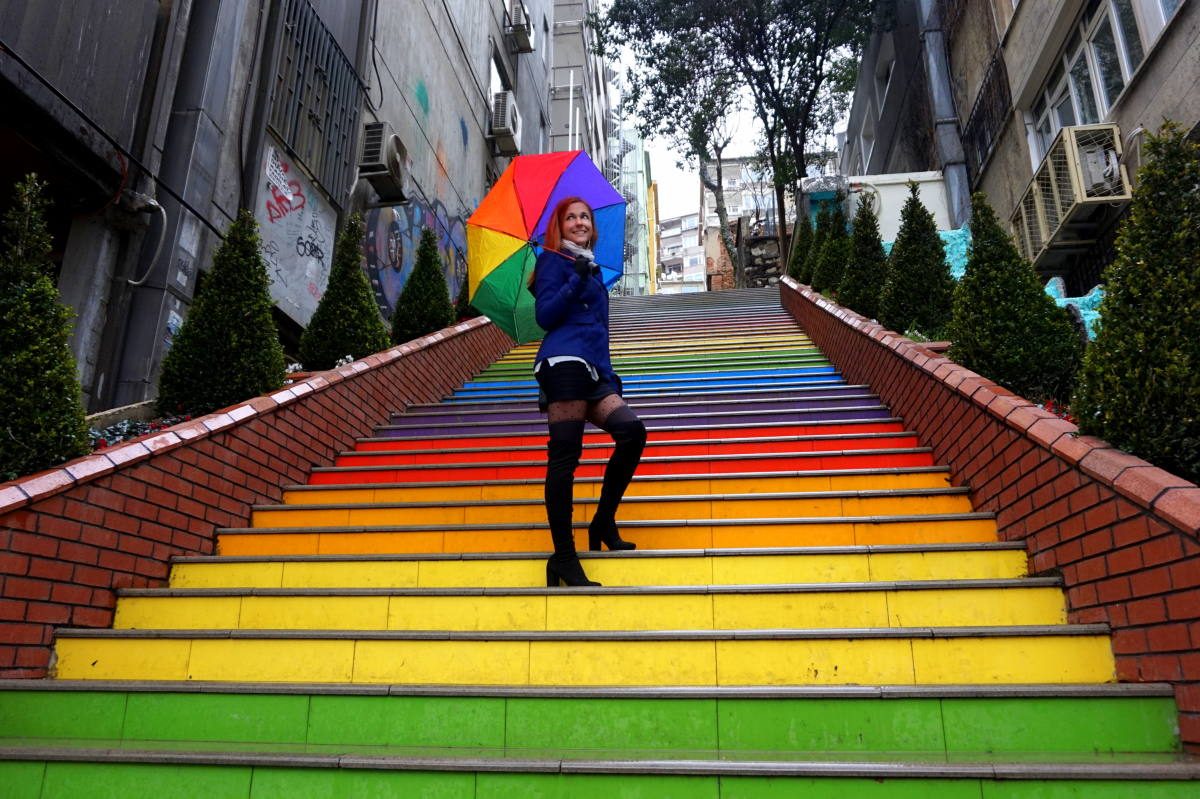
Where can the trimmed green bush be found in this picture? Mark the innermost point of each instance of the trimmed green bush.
(347, 320)
(835, 252)
(1005, 326)
(463, 309)
(803, 232)
(866, 268)
(918, 291)
(1140, 383)
(228, 349)
(820, 233)
(424, 304)
(41, 418)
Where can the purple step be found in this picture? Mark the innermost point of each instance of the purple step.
(537, 423)
(516, 413)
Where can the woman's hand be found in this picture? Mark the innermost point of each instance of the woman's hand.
(582, 266)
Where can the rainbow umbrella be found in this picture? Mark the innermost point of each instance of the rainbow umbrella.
(505, 233)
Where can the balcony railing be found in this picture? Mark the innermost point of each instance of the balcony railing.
(991, 111)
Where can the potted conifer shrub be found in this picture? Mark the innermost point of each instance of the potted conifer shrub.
(866, 268)
(1140, 383)
(424, 304)
(835, 252)
(347, 320)
(918, 291)
(228, 349)
(41, 416)
(1004, 325)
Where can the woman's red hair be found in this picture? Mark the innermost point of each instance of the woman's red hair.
(553, 239)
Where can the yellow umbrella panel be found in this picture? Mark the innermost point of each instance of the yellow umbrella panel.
(500, 267)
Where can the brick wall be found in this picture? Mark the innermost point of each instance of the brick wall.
(1124, 535)
(71, 536)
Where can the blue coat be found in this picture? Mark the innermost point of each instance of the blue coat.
(573, 311)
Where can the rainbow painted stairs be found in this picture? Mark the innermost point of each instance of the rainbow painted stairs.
(814, 610)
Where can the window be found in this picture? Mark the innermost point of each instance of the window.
(866, 139)
(1107, 47)
(885, 65)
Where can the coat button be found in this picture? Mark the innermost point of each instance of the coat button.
(585, 305)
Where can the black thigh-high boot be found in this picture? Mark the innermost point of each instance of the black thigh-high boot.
(563, 452)
(629, 435)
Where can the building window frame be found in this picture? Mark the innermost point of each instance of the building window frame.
(1102, 34)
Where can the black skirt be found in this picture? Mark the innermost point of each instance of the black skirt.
(571, 380)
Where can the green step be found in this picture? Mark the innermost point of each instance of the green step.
(944, 722)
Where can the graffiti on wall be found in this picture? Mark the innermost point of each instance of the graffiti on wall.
(393, 234)
(297, 228)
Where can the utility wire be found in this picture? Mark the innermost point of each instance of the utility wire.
(103, 133)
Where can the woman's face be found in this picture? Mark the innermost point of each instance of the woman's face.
(577, 224)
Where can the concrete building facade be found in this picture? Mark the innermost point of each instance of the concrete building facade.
(1018, 73)
(153, 123)
(580, 106)
(631, 164)
(681, 264)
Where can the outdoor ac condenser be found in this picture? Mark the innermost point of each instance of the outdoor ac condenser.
(506, 123)
(385, 163)
(519, 29)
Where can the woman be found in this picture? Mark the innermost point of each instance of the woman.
(576, 378)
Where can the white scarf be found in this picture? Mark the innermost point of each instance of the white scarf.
(576, 250)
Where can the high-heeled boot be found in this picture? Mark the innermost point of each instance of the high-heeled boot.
(629, 435)
(564, 450)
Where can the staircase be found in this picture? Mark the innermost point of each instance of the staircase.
(814, 610)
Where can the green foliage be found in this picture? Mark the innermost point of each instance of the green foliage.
(41, 418)
(228, 348)
(804, 235)
(835, 252)
(918, 291)
(867, 267)
(424, 304)
(463, 309)
(1005, 326)
(1140, 384)
(347, 320)
(820, 233)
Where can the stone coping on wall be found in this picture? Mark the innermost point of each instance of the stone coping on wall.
(24, 491)
(1171, 498)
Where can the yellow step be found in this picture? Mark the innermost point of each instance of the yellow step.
(695, 507)
(642, 568)
(826, 657)
(860, 605)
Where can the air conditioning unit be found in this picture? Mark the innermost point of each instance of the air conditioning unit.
(385, 163)
(1074, 192)
(519, 29)
(506, 123)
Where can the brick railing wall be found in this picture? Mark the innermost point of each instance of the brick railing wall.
(1124, 535)
(70, 537)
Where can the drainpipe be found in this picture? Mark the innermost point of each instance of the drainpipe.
(947, 138)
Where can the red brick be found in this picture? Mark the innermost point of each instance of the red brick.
(12, 609)
(71, 594)
(65, 529)
(91, 617)
(13, 563)
(8, 657)
(88, 575)
(1181, 604)
(78, 553)
(1127, 560)
(1155, 668)
(1185, 575)
(47, 613)
(1131, 531)
(46, 569)
(117, 561)
(99, 537)
(1168, 638)
(26, 588)
(1147, 611)
(1113, 589)
(1101, 515)
(1128, 641)
(1096, 543)
(17, 633)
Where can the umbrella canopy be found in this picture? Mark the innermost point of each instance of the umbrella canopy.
(505, 233)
